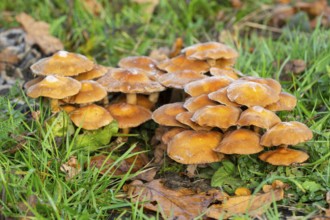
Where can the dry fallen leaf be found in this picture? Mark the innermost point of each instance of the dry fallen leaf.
(92, 6)
(38, 33)
(71, 168)
(179, 204)
(295, 67)
(252, 205)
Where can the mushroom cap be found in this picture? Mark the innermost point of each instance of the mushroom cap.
(96, 72)
(251, 93)
(55, 87)
(192, 104)
(147, 64)
(91, 91)
(181, 63)
(68, 108)
(240, 141)
(287, 133)
(283, 156)
(31, 82)
(129, 81)
(165, 115)
(128, 115)
(258, 116)
(62, 63)
(209, 50)
(185, 118)
(168, 135)
(272, 83)
(221, 96)
(222, 63)
(207, 85)
(194, 147)
(226, 71)
(287, 102)
(220, 116)
(91, 117)
(179, 79)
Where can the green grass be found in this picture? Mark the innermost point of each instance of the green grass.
(118, 32)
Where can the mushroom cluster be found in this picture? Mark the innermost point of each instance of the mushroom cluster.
(225, 112)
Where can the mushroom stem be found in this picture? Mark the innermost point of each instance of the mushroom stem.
(131, 98)
(191, 170)
(283, 146)
(125, 130)
(256, 129)
(211, 62)
(153, 97)
(54, 105)
(105, 100)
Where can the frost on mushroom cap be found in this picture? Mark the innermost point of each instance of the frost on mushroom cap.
(251, 93)
(185, 118)
(283, 156)
(165, 115)
(210, 50)
(220, 116)
(258, 116)
(287, 102)
(90, 91)
(179, 79)
(221, 96)
(62, 63)
(195, 147)
(91, 117)
(240, 141)
(207, 85)
(96, 72)
(55, 87)
(181, 63)
(287, 133)
(147, 64)
(129, 81)
(192, 104)
(128, 115)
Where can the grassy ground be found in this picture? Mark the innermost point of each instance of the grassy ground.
(119, 31)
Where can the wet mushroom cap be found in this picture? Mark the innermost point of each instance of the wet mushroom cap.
(240, 141)
(62, 63)
(55, 87)
(90, 91)
(207, 85)
(128, 115)
(96, 72)
(31, 82)
(91, 117)
(181, 63)
(258, 116)
(220, 116)
(251, 93)
(192, 104)
(283, 156)
(210, 50)
(272, 83)
(287, 102)
(226, 71)
(165, 115)
(287, 133)
(179, 80)
(185, 118)
(129, 81)
(221, 96)
(168, 135)
(194, 147)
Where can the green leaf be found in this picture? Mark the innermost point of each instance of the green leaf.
(311, 186)
(60, 124)
(92, 140)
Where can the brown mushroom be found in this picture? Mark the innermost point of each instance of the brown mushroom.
(179, 79)
(91, 117)
(62, 63)
(195, 147)
(226, 71)
(287, 102)
(221, 96)
(240, 141)
(272, 83)
(165, 115)
(283, 156)
(95, 73)
(194, 103)
(185, 118)
(167, 136)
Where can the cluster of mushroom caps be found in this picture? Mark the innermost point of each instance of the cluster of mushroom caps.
(80, 87)
(225, 112)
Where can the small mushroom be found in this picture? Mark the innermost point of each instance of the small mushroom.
(167, 136)
(286, 133)
(195, 147)
(272, 83)
(91, 117)
(62, 63)
(240, 141)
(287, 102)
(165, 115)
(185, 118)
(95, 73)
(221, 96)
(192, 104)
(220, 116)
(226, 71)
(179, 79)
(283, 156)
